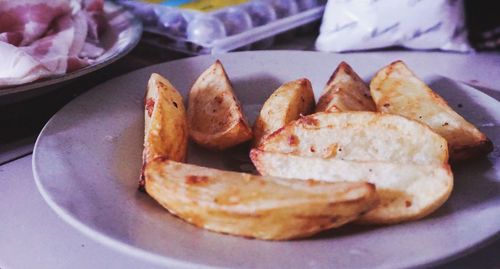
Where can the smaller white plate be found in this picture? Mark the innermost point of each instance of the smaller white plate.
(122, 35)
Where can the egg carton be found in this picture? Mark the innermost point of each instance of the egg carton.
(249, 25)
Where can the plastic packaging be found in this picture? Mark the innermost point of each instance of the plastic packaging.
(215, 26)
(415, 24)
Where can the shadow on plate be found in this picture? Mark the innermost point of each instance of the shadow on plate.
(475, 181)
(256, 88)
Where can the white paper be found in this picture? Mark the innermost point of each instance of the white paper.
(416, 24)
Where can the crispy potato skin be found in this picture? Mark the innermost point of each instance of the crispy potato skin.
(166, 132)
(215, 118)
(467, 152)
(252, 206)
(405, 159)
(359, 136)
(407, 191)
(397, 90)
(345, 91)
(286, 104)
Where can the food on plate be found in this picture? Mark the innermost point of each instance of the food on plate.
(286, 104)
(215, 118)
(407, 191)
(39, 38)
(406, 160)
(253, 206)
(166, 132)
(359, 136)
(372, 161)
(345, 91)
(397, 90)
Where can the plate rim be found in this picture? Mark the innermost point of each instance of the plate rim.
(162, 260)
(105, 239)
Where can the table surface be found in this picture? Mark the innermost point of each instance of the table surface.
(33, 236)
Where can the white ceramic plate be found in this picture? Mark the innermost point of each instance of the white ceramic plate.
(123, 33)
(87, 161)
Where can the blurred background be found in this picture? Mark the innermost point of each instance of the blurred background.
(164, 30)
(175, 29)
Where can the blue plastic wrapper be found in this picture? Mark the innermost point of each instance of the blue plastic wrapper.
(214, 26)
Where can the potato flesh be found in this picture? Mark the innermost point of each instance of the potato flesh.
(211, 113)
(359, 136)
(253, 206)
(345, 91)
(286, 104)
(397, 90)
(407, 191)
(215, 118)
(405, 159)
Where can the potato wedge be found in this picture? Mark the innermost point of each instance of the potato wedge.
(359, 136)
(406, 191)
(166, 132)
(253, 206)
(286, 104)
(345, 91)
(397, 90)
(215, 118)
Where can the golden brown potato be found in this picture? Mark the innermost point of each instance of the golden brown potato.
(359, 136)
(215, 118)
(345, 91)
(165, 129)
(397, 90)
(253, 206)
(407, 191)
(286, 104)
(402, 157)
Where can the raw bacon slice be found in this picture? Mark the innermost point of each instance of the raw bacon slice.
(40, 38)
(93, 5)
(18, 67)
(95, 18)
(29, 19)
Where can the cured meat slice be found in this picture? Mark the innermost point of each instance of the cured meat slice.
(40, 38)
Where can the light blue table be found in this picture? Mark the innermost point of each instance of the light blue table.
(33, 236)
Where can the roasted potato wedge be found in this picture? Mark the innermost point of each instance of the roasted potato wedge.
(407, 191)
(345, 91)
(253, 206)
(286, 104)
(397, 90)
(166, 132)
(215, 118)
(359, 136)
